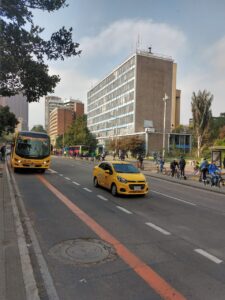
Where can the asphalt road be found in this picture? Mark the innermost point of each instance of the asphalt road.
(167, 245)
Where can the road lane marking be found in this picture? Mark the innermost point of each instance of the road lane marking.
(60, 174)
(67, 178)
(76, 183)
(124, 210)
(86, 189)
(209, 256)
(53, 171)
(186, 202)
(101, 197)
(154, 280)
(158, 228)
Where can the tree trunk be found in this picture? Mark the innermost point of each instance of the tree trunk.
(199, 141)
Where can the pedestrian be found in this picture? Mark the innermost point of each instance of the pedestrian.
(140, 161)
(182, 164)
(3, 149)
(203, 169)
(173, 166)
(161, 164)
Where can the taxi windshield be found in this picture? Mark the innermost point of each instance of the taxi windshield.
(125, 168)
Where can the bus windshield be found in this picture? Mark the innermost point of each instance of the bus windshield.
(33, 146)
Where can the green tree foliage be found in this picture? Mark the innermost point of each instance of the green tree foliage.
(78, 134)
(134, 144)
(8, 120)
(202, 114)
(216, 124)
(23, 50)
(38, 128)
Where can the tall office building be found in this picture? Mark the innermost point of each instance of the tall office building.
(130, 99)
(19, 106)
(51, 102)
(75, 105)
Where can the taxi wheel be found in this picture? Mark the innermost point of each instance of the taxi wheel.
(95, 181)
(114, 189)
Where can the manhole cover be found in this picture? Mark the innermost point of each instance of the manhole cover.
(83, 251)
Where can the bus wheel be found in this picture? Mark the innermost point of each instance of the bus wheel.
(15, 170)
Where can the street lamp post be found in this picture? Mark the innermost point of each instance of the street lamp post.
(165, 98)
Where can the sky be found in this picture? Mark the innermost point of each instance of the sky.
(192, 32)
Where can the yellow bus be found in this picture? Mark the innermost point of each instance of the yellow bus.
(31, 150)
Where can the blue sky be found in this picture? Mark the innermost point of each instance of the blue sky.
(191, 32)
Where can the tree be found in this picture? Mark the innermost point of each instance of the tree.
(8, 120)
(134, 144)
(202, 114)
(38, 128)
(78, 134)
(23, 50)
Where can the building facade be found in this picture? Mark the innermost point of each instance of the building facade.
(51, 102)
(131, 96)
(62, 117)
(19, 106)
(60, 120)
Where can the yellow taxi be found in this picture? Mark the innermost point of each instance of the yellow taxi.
(120, 177)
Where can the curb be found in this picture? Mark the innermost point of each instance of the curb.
(187, 183)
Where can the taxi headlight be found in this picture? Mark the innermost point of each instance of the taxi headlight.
(121, 179)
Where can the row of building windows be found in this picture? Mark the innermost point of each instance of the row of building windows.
(123, 99)
(126, 109)
(115, 94)
(113, 76)
(112, 86)
(128, 129)
(113, 123)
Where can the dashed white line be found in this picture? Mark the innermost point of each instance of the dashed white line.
(61, 175)
(209, 256)
(86, 189)
(158, 228)
(76, 183)
(53, 171)
(102, 198)
(186, 202)
(124, 210)
(67, 178)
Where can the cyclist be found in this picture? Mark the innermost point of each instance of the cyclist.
(214, 171)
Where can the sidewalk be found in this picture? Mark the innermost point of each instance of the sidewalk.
(11, 276)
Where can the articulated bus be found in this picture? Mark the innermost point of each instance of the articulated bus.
(31, 150)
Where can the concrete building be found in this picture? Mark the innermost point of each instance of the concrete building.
(129, 101)
(19, 106)
(75, 105)
(62, 117)
(51, 102)
(60, 120)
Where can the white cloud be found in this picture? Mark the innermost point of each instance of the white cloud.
(123, 36)
(215, 55)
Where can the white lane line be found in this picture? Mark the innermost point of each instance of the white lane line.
(76, 183)
(61, 175)
(209, 256)
(183, 201)
(158, 228)
(124, 210)
(86, 189)
(53, 171)
(101, 197)
(67, 178)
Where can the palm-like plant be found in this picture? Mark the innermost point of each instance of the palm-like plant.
(201, 112)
